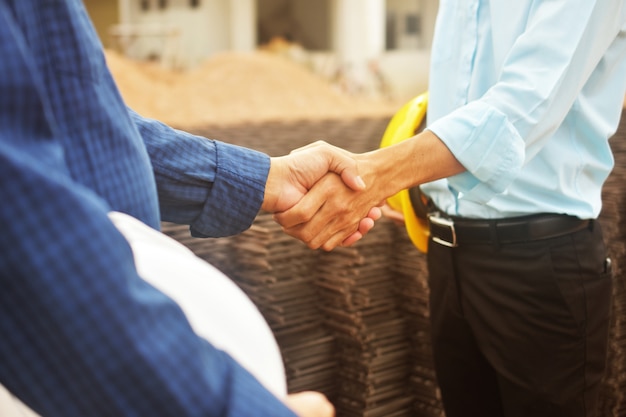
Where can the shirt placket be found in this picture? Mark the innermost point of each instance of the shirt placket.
(469, 21)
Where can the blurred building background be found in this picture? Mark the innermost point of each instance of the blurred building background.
(373, 46)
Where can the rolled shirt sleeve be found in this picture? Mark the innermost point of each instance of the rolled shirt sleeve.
(487, 145)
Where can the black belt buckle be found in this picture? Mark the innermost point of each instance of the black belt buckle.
(443, 223)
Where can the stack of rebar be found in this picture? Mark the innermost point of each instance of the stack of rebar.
(409, 267)
(358, 297)
(276, 271)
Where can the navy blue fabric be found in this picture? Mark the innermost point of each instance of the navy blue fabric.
(80, 333)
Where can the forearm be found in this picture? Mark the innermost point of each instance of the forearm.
(421, 159)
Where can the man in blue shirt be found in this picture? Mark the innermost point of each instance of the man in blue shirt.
(80, 333)
(523, 96)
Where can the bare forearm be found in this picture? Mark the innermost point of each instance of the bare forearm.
(421, 159)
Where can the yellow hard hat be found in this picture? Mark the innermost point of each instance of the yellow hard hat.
(403, 125)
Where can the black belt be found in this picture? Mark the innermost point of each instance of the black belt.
(453, 231)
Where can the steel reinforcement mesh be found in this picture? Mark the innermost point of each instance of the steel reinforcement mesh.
(353, 323)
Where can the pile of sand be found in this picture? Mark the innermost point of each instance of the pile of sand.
(234, 88)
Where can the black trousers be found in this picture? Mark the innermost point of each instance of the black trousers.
(521, 329)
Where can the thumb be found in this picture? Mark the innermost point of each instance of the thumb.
(344, 164)
(352, 179)
(336, 160)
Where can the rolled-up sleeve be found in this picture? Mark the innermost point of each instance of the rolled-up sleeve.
(486, 144)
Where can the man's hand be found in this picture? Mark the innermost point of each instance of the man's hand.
(292, 176)
(310, 404)
(330, 215)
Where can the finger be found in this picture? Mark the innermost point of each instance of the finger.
(352, 239)
(365, 225)
(344, 164)
(331, 236)
(339, 229)
(394, 215)
(351, 177)
(302, 212)
(309, 404)
(391, 213)
(340, 162)
(318, 232)
(375, 213)
(315, 232)
(338, 238)
(311, 145)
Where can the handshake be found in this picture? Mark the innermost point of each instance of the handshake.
(318, 195)
(329, 197)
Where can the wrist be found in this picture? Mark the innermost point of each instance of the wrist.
(422, 158)
(382, 172)
(270, 196)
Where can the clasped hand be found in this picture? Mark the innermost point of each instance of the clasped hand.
(318, 196)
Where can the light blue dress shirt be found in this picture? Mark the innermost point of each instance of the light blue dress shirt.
(526, 94)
